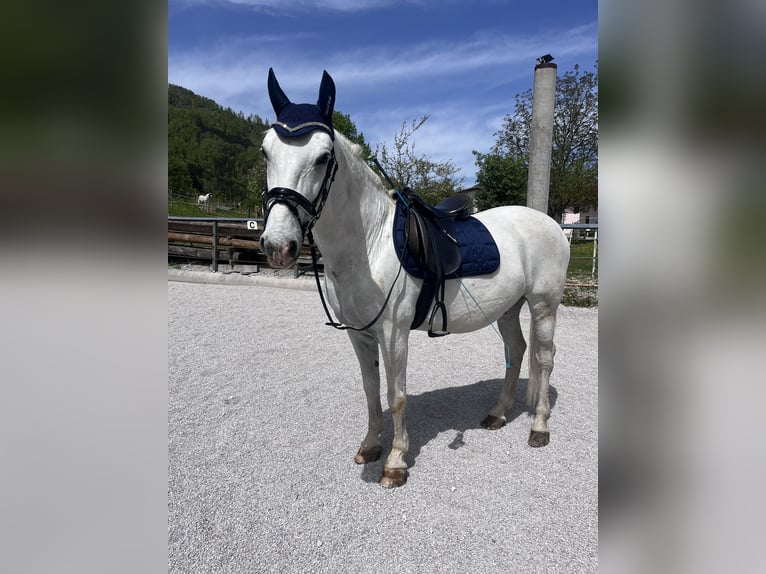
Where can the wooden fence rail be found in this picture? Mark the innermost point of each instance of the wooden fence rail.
(236, 240)
(202, 237)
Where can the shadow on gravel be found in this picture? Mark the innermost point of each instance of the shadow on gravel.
(450, 409)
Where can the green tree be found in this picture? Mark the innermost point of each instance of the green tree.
(256, 183)
(501, 179)
(210, 148)
(574, 158)
(433, 181)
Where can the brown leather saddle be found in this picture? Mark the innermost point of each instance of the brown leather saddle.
(431, 241)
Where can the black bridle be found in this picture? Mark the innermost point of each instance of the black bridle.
(293, 201)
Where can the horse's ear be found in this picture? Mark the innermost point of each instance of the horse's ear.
(326, 101)
(278, 98)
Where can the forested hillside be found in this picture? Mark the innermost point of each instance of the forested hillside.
(211, 149)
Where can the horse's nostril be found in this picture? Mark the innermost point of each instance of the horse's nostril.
(293, 248)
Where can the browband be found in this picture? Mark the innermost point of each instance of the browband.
(313, 125)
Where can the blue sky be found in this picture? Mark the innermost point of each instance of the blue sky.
(460, 62)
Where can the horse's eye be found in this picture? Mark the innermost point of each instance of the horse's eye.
(265, 155)
(323, 159)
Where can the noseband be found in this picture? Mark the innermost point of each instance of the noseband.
(294, 200)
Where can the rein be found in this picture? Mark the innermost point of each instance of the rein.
(331, 322)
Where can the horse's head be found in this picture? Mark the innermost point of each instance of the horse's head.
(300, 166)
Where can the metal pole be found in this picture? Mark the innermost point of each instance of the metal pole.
(541, 136)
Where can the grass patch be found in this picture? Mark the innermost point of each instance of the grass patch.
(580, 296)
(582, 272)
(581, 259)
(187, 209)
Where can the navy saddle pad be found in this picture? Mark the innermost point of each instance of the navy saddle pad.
(478, 250)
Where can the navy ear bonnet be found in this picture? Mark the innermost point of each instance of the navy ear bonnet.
(295, 120)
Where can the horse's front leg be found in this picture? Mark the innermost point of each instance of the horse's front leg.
(366, 348)
(394, 347)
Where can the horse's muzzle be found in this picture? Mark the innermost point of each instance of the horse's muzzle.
(282, 255)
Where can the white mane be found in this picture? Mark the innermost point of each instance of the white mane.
(357, 163)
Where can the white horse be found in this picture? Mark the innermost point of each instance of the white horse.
(353, 230)
(202, 199)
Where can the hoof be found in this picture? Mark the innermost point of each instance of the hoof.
(493, 422)
(539, 438)
(393, 477)
(369, 454)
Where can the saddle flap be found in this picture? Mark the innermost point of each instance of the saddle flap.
(416, 243)
(431, 241)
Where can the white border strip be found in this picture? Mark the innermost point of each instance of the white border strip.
(300, 284)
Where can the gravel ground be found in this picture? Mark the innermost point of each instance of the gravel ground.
(266, 412)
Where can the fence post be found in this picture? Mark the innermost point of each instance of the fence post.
(595, 253)
(215, 246)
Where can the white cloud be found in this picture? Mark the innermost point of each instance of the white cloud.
(288, 6)
(456, 82)
(229, 67)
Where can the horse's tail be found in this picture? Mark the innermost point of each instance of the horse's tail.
(533, 385)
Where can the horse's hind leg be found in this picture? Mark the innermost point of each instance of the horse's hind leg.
(542, 350)
(510, 329)
(366, 348)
